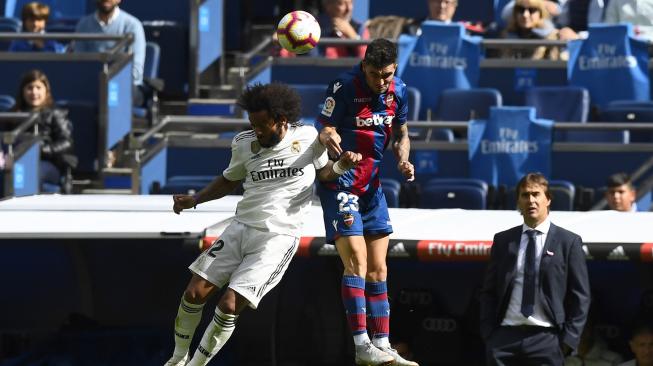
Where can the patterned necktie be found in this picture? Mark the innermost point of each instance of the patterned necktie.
(528, 293)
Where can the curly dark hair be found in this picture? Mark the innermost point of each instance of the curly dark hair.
(279, 100)
(381, 53)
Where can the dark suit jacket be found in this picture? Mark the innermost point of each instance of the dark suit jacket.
(563, 282)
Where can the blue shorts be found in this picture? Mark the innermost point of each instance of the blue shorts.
(346, 214)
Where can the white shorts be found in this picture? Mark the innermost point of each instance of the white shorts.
(250, 260)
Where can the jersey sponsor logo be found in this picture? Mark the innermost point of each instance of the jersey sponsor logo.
(348, 220)
(375, 120)
(363, 100)
(255, 147)
(329, 105)
(295, 147)
(389, 99)
(336, 86)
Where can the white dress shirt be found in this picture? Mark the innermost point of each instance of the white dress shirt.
(514, 316)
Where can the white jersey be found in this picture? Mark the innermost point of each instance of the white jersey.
(278, 180)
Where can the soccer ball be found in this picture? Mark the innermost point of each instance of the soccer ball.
(298, 32)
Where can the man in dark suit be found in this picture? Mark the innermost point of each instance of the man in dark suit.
(536, 294)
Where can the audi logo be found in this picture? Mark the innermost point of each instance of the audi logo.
(440, 325)
(608, 331)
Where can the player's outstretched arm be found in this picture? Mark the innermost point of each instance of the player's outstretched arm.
(401, 148)
(331, 140)
(219, 188)
(332, 170)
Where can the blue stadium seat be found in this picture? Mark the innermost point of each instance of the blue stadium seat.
(312, 100)
(172, 38)
(6, 102)
(466, 104)
(13, 22)
(630, 113)
(563, 195)
(560, 104)
(391, 189)
(8, 27)
(414, 103)
(631, 104)
(467, 193)
(150, 71)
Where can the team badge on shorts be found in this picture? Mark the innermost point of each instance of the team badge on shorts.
(348, 219)
(256, 147)
(295, 147)
(389, 99)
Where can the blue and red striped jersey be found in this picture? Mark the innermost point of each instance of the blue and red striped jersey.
(364, 120)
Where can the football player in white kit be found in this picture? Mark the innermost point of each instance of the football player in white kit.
(277, 162)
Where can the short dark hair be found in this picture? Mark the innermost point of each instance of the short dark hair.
(381, 53)
(533, 178)
(279, 100)
(619, 179)
(36, 11)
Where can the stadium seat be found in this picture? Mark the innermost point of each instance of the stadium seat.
(391, 190)
(14, 22)
(631, 113)
(464, 193)
(414, 103)
(6, 103)
(563, 193)
(8, 27)
(312, 100)
(150, 84)
(560, 104)
(631, 104)
(185, 184)
(467, 104)
(172, 38)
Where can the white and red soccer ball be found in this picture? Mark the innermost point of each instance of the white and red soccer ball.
(298, 32)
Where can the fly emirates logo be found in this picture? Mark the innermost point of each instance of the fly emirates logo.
(375, 120)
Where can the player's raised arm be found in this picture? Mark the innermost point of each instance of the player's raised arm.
(332, 170)
(218, 188)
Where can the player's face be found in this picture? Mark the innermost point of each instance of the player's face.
(620, 198)
(379, 79)
(533, 204)
(106, 6)
(268, 132)
(642, 347)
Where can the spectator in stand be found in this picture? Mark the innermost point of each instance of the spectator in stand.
(621, 194)
(35, 16)
(531, 20)
(110, 19)
(443, 11)
(639, 13)
(53, 128)
(641, 344)
(336, 21)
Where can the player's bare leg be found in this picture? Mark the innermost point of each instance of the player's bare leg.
(353, 253)
(220, 328)
(376, 295)
(188, 317)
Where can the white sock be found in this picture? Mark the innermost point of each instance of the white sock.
(381, 342)
(361, 339)
(188, 316)
(216, 335)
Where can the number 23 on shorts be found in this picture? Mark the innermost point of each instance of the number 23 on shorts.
(347, 202)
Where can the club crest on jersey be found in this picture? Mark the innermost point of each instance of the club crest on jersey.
(389, 99)
(295, 147)
(256, 147)
(348, 220)
(329, 105)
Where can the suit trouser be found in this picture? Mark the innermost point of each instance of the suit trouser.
(524, 346)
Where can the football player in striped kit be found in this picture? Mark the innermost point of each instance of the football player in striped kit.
(277, 162)
(364, 110)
